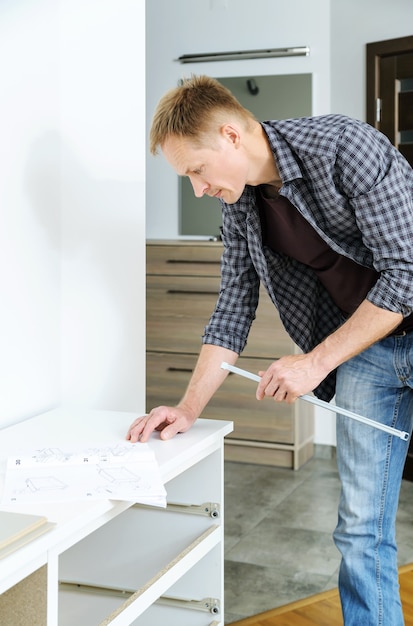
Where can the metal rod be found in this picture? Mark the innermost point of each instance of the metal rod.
(325, 405)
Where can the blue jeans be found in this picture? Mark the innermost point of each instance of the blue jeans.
(377, 384)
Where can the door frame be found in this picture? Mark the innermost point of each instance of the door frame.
(374, 53)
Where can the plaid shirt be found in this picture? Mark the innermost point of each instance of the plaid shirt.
(355, 189)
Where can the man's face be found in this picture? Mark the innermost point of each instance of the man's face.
(218, 170)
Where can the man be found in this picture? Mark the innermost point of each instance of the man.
(320, 211)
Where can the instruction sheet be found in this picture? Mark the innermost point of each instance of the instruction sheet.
(122, 471)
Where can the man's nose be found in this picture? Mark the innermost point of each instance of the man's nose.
(200, 187)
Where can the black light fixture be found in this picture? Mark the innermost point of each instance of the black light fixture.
(245, 54)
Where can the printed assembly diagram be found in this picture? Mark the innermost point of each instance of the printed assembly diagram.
(122, 471)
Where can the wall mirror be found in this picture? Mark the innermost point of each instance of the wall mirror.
(267, 97)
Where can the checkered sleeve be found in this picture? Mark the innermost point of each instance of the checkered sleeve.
(235, 309)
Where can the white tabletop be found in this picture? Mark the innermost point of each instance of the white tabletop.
(84, 426)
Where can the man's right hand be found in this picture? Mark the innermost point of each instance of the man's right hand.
(168, 420)
(205, 380)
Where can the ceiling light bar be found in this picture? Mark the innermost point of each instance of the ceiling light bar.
(245, 54)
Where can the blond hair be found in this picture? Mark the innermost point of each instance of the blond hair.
(193, 109)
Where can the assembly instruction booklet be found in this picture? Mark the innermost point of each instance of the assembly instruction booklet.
(121, 471)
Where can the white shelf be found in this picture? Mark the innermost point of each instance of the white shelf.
(147, 551)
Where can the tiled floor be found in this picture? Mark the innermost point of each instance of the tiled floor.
(278, 534)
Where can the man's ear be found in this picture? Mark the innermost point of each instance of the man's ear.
(231, 133)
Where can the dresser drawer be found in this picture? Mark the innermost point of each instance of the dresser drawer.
(184, 260)
(167, 376)
(177, 310)
(179, 307)
(182, 296)
(183, 281)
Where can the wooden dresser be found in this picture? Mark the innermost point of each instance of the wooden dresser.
(182, 286)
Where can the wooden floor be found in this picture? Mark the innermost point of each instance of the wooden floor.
(324, 609)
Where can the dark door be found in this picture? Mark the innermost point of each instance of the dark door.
(390, 109)
(390, 91)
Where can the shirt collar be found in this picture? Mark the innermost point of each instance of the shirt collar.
(285, 159)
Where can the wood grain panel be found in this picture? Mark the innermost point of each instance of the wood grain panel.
(183, 260)
(178, 309)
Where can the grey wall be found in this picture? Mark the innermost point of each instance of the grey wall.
(278, 97)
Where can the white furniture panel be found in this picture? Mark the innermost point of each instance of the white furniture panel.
(114, 560)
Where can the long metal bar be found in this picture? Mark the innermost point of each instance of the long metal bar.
(210, 509)
(325, 405)
(208, 605)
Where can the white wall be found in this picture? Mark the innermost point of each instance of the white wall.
(336, 33)
(103, 205)
(29, 209)
(353, 25)
(72, 155)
